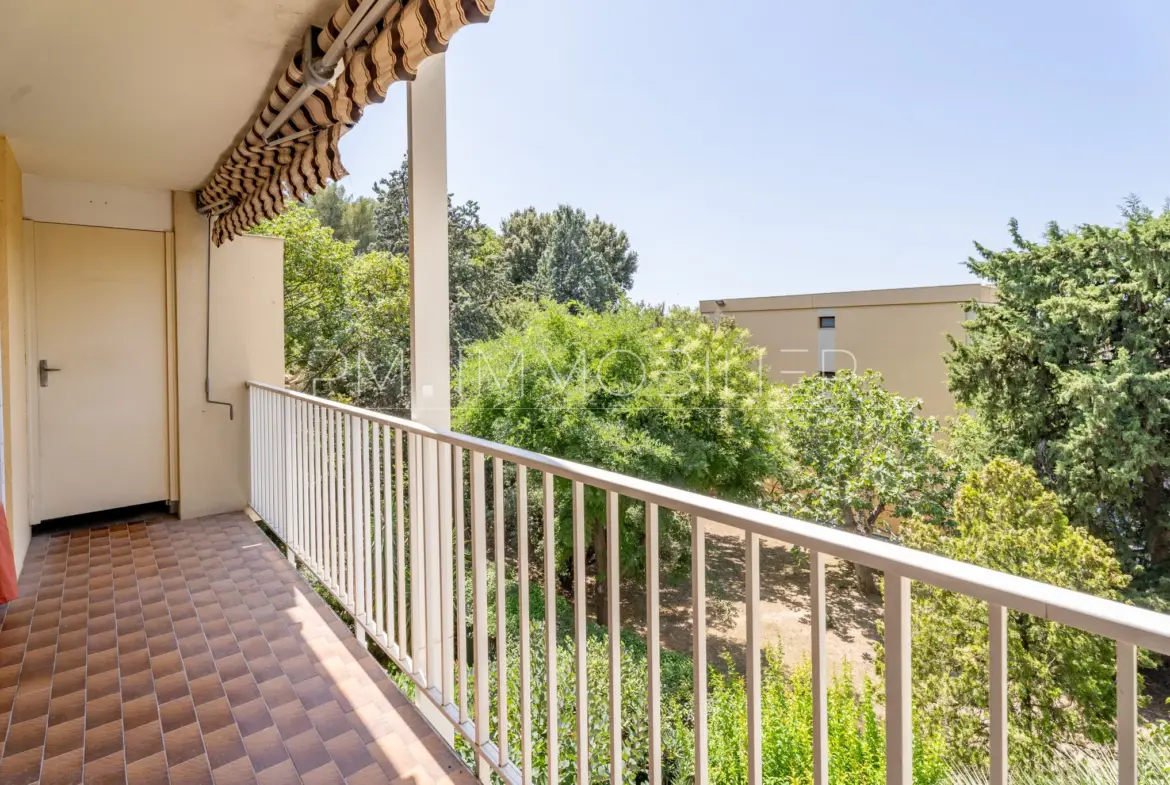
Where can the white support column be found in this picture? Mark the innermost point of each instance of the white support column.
(430, 328)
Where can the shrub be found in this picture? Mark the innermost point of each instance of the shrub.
(856, 734)
(1061, 681)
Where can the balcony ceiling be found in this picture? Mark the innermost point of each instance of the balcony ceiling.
(140, 92)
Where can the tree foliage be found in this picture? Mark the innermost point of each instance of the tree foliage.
(668, 397)
(316, 322)
(1061, 686)
(1070, 371)
(479, 281)
(352, 220)
(567, 257)
(862, 453)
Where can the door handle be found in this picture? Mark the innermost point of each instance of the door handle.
(45, 370)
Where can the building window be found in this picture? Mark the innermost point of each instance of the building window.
(828, 322)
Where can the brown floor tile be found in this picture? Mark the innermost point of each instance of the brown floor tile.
(252, 717)
(307, 751)
(265, 749)
(350, 755)
(110, 770)
(148, 771)
(196, 771)
(102, 740)
(62, 770)
(236, 773)
(327, 775)
(165, 651)
(64, 738)
(214, 715)
(144, 741)
(224, 746)
(291, 719)
(139, 711)
(25, 736)
(284, 773)
(176, 714)
(183, 744)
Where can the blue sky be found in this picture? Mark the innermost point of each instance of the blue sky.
(782, 147)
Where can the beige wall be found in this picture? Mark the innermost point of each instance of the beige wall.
(210, 465)
(247, 342)
(899, 332)
(13, 341)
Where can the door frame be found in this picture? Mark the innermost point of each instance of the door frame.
(32, 358)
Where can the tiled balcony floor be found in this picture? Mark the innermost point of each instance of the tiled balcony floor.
(192, 652)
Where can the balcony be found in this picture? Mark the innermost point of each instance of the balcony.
(378, 508)
(194, 650)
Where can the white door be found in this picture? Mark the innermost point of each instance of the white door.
(101, 336)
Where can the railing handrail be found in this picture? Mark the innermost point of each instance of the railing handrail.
(1125, 623)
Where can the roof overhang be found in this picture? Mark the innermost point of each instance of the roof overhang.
(140, 92)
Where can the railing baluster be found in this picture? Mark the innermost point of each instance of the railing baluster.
(579, 611)
(614, 618)
(400, 543)
(388, 552)
(820, 739)
(699, 653)
(365, 575)
(501, 612)
(287, 483)
(755, 750)
(998, 685)
(1127, 714)
(653, 646)
(310, 490)
(432, 561)
(315, 441)
(304, 490)
(460, 578)
(479, 569)
(259, 423)
(525, 644)
(378, 598)
(297, 537)
(418, 610)
(446, 579)
(335, 502)
(899, 735)
(251, 449)
(351, 524)
(550, 624)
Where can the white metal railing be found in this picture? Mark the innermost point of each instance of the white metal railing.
(347, 489)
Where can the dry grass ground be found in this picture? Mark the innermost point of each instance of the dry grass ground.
(784, 598)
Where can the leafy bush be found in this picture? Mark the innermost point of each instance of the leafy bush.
(1061, 681)
(856, 734)
(668, 397)
(861, 453)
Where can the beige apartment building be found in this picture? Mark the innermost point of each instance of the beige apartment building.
(899, 332)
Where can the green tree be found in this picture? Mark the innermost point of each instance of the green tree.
(316, 323)
(862, 454)
(668, 397)
(567, 257)
(377, 287)
(1061, 687)
(480, 288)
(1070, 372)
(352, 220)
(358, 226)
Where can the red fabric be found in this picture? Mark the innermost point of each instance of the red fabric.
(7, 561)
